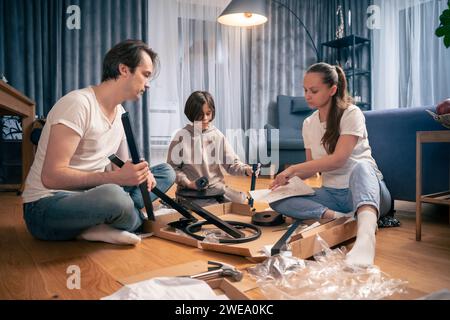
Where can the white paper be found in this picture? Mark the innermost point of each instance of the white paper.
(295, 187)
(166, 288)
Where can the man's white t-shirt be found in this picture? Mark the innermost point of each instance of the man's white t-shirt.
(80, 111)
(352, 123)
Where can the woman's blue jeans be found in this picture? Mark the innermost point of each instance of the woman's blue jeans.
(65, 215)
(364, 189)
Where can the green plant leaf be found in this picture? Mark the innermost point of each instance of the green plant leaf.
(447, 41)
(446, 13)
(444, 20)
(440, 32)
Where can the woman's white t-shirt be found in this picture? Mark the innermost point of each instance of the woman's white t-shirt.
(80, 111)
(352, 123)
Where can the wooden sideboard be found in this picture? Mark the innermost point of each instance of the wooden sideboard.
(14, 103)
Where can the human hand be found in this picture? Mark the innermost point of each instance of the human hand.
(132, 174)
(281, 179)
(151, 181)
(249, 171)
(192, 185)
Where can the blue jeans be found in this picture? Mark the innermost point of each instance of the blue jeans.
(65, 215)
(364, 189)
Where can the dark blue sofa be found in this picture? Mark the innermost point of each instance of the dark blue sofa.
(392, 136)
(291, 112)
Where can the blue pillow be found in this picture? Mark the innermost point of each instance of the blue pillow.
(298, 104)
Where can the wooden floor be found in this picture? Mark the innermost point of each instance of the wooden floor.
(33, 269)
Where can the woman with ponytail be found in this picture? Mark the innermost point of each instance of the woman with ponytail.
(337, 145)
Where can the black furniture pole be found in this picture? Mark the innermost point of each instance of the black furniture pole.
(118, 162)
(276, 249)
(136, 159)
(253, 183)
(211, 218)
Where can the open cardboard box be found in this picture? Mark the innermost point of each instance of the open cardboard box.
(221, 286)
(303, 244)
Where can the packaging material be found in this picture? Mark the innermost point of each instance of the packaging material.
(302, 243)
(222, 287)
(327, 278)
(167, 288)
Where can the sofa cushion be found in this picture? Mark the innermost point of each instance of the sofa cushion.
(290, 124)
(299, 105)
(292, 144)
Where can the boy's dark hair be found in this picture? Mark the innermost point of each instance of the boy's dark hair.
(193, 108)
(129, 53)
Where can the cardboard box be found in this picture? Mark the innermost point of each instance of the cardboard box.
(221, 286)
(303, 245)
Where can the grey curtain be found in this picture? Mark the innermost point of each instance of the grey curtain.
(280, 51)
(45, 60)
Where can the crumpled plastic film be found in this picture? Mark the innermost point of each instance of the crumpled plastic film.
(284, 277)
(214, 235)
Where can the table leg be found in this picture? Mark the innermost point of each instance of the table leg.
(418, 188)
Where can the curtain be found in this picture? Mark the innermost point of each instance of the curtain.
(44, 59)
(281, 52)
(413, 65)
(199, 54)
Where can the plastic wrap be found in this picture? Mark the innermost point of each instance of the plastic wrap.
(214, 235)
(284, 277)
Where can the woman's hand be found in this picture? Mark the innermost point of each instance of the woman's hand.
(282, 178)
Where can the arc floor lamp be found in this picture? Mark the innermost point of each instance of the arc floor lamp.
(247, 13)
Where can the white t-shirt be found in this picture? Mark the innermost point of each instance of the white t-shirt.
(80, 111)
(352, 123)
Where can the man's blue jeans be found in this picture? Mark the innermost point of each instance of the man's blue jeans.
(65, 215)
(364, 189)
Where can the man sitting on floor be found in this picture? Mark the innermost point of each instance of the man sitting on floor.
(72, 191)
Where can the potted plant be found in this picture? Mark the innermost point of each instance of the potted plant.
(444, 28)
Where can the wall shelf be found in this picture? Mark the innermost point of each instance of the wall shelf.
(345, 50)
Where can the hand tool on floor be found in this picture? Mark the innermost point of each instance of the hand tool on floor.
(218, 270)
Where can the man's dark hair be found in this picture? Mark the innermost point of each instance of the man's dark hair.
(193, 108)
(129, 53)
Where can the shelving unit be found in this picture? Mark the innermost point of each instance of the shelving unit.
(346, 49)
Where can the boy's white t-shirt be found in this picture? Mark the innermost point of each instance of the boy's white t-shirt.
(80, 111)
(353, 123)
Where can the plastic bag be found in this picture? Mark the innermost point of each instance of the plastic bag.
(284, 277)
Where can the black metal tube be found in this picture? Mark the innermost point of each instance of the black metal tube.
(136, 159)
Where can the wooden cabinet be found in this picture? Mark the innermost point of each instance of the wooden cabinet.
(12, 102)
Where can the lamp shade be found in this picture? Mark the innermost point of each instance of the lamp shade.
(244, 13)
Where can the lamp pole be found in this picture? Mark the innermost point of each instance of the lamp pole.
(247, 13)
(302, 24)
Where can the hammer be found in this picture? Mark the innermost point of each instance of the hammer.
(220, 269)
